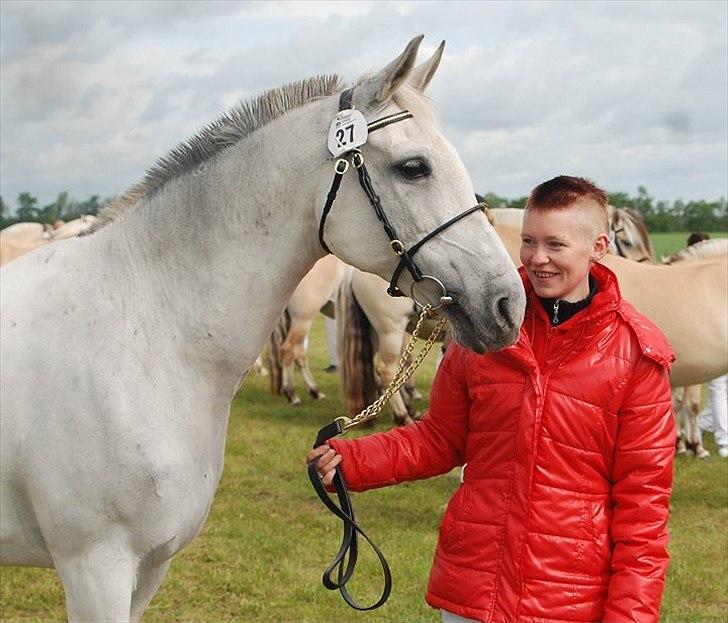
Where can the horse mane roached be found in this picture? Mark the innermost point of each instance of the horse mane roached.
(356, 351)
(699, 251)
(227, 130)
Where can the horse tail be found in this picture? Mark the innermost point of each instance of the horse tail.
(356, 351)
(275, 359)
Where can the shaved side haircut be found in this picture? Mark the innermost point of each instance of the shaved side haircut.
(565, 192)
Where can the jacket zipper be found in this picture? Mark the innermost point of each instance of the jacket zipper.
(556, 311)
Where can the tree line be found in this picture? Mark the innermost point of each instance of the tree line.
(659, 215)
(64, 207)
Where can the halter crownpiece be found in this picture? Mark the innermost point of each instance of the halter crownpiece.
(346, 136)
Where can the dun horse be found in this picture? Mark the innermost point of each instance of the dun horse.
(116, 390)
(21, 238)
(287, 343)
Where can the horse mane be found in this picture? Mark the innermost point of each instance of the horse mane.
(230, 128)
(700, 250)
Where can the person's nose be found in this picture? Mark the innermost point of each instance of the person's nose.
(540, 257)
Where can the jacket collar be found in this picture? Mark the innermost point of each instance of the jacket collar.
(607, 298)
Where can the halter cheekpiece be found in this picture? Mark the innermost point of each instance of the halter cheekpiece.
(354, 157)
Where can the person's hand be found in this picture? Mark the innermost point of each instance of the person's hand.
(326, 464)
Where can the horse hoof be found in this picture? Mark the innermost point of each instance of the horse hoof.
(295, 401)
(320, 396)
(702, 453)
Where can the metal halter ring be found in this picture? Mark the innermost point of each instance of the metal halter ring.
(444, 298)
(396, 247)
(357, 159)
(344, 164)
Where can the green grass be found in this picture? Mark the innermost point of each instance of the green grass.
(267, 540)
(670, 242)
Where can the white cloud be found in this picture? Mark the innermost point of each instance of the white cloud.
(626, 93)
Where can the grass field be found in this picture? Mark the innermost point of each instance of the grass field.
(669, 242)
(262, 550)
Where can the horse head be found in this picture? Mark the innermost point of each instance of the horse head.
(629, 235)
(422, 186)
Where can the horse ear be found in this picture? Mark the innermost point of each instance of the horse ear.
(422, 74)
(376, 90)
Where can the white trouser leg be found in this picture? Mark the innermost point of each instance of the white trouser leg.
(449, 617)
(718, 398)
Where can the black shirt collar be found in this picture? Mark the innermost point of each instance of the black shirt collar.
(559, 310)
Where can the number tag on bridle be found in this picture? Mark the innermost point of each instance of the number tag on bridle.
(348, 130)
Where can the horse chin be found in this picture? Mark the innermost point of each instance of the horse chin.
(480, 337)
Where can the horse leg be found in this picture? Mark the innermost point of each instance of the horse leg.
(98, 584)
(410, 388)
(301, 357)
(389, 353)
(149, 578)
(292, 344)
(692, 411)
(678, 395)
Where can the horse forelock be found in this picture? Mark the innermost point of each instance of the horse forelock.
(407, 97)
(227, 130)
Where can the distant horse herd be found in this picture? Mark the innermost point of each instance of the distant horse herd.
(123, 348)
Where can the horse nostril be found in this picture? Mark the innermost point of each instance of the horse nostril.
(504, 309)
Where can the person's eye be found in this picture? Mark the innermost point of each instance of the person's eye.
(526, 241)
(414, 168)
(557, 245)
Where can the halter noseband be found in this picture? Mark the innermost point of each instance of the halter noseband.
(355, 158)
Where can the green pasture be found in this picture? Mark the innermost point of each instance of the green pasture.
(669, 242)
(267, 539)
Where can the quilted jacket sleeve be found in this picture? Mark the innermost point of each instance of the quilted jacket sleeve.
(434, 445)
(641, 487)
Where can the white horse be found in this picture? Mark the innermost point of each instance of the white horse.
(21, 238)
(116, 389)
(287, 344)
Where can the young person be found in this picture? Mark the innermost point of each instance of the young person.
(567, 436)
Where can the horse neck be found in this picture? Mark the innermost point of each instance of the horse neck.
(215, 255)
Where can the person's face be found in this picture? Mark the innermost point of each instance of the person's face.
(557, 253)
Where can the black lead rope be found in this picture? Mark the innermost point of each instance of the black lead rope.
(345, 560)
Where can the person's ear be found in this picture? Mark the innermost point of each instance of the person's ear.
(600, 246)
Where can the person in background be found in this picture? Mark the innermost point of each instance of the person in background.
(568, 437)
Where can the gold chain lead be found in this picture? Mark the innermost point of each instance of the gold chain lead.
(402, 372)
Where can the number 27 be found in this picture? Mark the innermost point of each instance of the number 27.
(341, 134)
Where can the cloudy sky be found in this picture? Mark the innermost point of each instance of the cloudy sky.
(627, 93)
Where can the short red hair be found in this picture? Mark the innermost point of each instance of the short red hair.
(563, 191)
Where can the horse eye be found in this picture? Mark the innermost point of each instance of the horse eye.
(414, 168)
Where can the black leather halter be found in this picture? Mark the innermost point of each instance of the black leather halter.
(396, 245)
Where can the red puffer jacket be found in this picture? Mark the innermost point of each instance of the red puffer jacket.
(568, 440)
